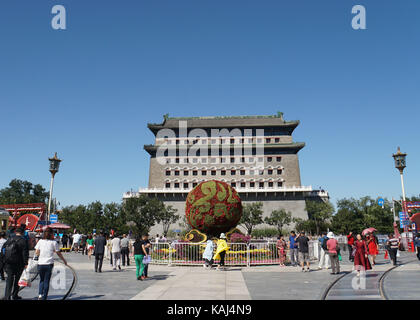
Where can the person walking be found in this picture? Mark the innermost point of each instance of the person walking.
(139, 254)
(147, 245)
(392, 245)
(82, 244)
(2, 242)
(333, 250)
(90, 245)
(293, 249)
(44, 251)
(361, 261)
(324, 258)
(303, 245)
(116, 252)
(65, 240)
(350, 245)
(417, 244)
(16, 255)
(208, 254)
(372, 244)
(221, 250)
(76, 241)
(125, 250)
(99, 250)
(281, 246)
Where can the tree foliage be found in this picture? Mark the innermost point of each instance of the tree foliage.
(279, 218)
(320, 213)
(167, 217)
(22, 192)
(359, 214)
(251, 216)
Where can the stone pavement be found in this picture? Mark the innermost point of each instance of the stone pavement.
(406, 277)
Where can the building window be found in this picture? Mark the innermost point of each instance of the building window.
(168, 173)
(186, 185)
(176, 172)
(168, 160)
(268, 140)
(177, 142)
(232, 172)
(204, 172)
(279, 184)
(169, 142)
(195, 172)
(277, 140)
(232, 160)
(270, 184)
(186, 160)
(242, 172)
(213, 141)
(176, 185)
(185, 173)
(177, 160)
(232, 141)
(167, 185)
(269, 159)
(243, 160)
(278, 159)
(249, 140)
(261, 185)
(259, 140)
(233, 184)
(204, 160)
(269, 171)
(223, 172)
(252, 184)
(213, 160)
(195, 160)
(194, 184)
(222, 141)
(242, 184)
(251, 172)
(260, 159)
(278, 171)
(261, 172)
(213, 172)
(222, 160)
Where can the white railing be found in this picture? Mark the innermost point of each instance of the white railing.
(238, 189)
(239, 254)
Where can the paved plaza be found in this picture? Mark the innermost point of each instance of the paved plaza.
(236, 283)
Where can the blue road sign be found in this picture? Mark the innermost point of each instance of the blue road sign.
(53, 218)
(381, 202)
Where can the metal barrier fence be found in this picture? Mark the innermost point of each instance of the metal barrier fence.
(239, 254)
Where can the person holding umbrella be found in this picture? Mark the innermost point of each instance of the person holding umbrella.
(372, 244)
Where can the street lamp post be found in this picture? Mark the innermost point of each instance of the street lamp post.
(54, 166)
(399, 159)
(400, 164)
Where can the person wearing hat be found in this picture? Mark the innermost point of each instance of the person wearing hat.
(221, 250)
(333, 250)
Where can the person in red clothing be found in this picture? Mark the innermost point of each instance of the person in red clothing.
(361, 261)
(350, 245)
(372, 244)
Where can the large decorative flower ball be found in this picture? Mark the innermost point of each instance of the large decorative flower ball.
(213, 207)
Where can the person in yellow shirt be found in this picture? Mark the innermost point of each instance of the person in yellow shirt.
(221, 250)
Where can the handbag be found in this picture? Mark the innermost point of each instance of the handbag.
(339, 256)
(147, 259)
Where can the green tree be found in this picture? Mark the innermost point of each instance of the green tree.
(306, 225)
(143, 212)
(251, 216)
(320, 213)
(21, 192)
(359, 214)
(166, 217)
(279, 218)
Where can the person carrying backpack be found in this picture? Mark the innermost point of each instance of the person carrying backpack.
(324, 256)
(16, 255)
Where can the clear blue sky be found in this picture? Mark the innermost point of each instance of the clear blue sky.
(89, 91)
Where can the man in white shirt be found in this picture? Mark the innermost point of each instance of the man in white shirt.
(76, 241)
(116, 252)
